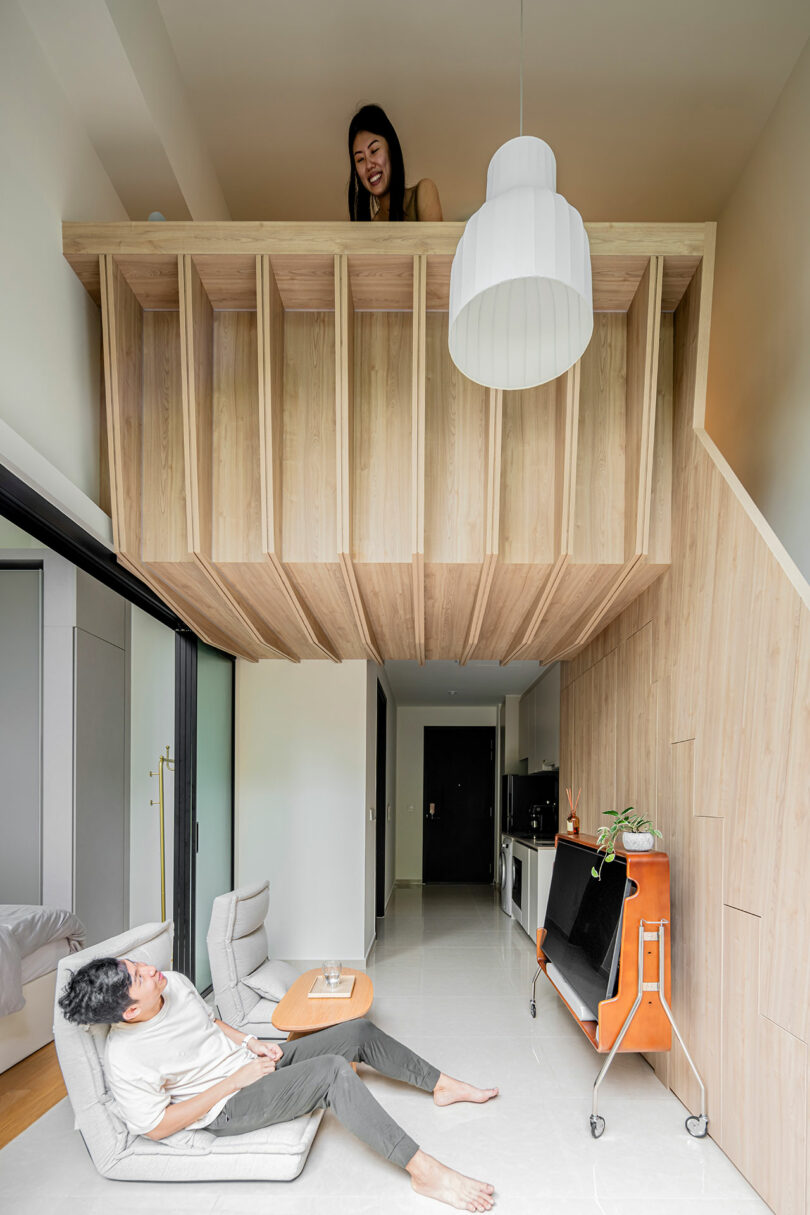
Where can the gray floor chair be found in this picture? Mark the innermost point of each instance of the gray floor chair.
(247, 984)
(276, 1153)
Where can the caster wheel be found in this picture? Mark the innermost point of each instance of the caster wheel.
(598, 1126)
(697, 1126)
(533, 1008)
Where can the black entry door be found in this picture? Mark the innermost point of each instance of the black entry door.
(459, 799)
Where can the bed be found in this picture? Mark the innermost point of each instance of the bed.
(32, 940)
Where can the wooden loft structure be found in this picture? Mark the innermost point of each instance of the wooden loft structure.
(298, 469)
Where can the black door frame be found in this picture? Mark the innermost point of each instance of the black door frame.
(186, 841)
(36, 515)
(381, 784)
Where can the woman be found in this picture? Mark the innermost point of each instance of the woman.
(377, 188)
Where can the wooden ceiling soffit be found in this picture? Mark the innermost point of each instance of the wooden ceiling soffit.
(300, 471)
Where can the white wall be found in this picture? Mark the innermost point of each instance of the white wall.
(14, 537)
(151, 699)
(411, 722)
(49, 326)
(373, 674)
(301, 802)
(758, 398)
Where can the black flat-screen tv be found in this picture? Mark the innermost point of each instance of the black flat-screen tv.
(584, 919)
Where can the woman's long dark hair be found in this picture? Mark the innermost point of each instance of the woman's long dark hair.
(374, 119)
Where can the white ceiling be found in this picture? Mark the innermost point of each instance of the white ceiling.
(652, 108)
(218, 109)
(476, 683)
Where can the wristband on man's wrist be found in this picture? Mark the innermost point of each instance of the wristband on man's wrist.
(247, 1038)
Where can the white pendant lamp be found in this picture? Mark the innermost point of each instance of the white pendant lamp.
(521, 303)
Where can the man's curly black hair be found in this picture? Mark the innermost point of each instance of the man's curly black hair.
(98, 993)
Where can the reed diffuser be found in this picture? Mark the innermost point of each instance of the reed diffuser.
(572, 822)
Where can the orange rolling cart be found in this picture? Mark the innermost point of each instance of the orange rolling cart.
(638, 1017)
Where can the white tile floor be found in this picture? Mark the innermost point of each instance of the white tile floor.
(451, 975)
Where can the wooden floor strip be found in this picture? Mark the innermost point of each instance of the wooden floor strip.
(28, 1090)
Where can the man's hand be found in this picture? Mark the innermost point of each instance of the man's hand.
(269, 1050)
(251, 1072)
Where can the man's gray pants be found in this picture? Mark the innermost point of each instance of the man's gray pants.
(314, 1072)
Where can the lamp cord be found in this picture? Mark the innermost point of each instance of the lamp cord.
(521, 67)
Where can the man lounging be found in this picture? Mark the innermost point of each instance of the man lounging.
(171, 1065)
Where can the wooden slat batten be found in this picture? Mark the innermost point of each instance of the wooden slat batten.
(567, 429)
(270, 324)
(492, 523)
(197, 332)
(418, 453)
(701, 372)
(270, 329)
(123, 365)
(344, 393)
(196, 335)
(643, 333)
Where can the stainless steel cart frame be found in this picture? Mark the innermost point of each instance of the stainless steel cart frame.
(696, 1125)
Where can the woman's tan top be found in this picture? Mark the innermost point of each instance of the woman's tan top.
(408, 207)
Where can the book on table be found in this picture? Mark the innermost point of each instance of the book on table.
(321, 990)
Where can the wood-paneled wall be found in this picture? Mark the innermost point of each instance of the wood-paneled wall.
(298, 468)
(694, 706)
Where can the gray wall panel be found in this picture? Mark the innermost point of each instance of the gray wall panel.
(20, 735)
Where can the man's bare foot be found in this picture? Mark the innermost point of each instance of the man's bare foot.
(434, 1180)
(448, 1091)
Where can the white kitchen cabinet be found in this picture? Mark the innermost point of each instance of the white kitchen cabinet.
(536, 867)
(531, 919)
(521, 865)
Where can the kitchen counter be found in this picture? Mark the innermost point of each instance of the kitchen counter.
(530, 842)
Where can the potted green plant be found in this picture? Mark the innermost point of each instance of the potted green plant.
(637, 834)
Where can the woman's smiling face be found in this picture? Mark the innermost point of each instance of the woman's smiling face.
(370, 153)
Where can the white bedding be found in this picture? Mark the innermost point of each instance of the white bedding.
(45, 959)
(24, 930)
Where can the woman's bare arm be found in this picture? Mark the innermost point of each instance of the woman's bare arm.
(428, 206)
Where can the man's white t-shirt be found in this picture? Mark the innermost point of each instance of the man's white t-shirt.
(177, 1054)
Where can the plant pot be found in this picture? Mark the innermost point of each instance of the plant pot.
(637, 841)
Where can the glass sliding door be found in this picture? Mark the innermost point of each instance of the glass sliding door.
(213, 829)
